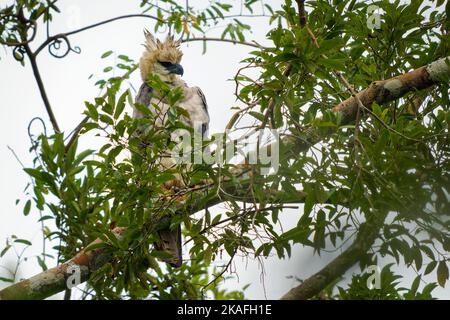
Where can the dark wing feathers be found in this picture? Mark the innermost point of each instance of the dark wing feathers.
(144, 95)
(202, 96)
(205, 126)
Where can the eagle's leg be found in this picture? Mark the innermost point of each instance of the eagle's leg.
(171, 243)
(171, 239)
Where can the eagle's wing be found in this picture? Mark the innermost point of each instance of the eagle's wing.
(205, 125)
(143, 97)
(170, 239)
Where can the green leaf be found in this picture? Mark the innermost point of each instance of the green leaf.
(160, 254)
(106, 54)
(45, 218)
(107, 119)
(96, 246)
(5, 250)
(34, 173)
(124, 58)
(89, 126)
(442, 273)
(42, 263)
(92, 111)
(257, 115)
(430, 267)
(120, 105)
(415, 285)
(23, 241)
(83, 155)
(27, 208)
(297, 234)
(112, 155)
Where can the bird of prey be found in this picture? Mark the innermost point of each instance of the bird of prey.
(162, 58)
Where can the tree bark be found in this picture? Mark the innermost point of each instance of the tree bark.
(365, 238)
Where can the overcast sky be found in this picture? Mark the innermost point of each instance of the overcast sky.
(68, 87)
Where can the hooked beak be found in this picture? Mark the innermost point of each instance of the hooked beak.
(176, 68)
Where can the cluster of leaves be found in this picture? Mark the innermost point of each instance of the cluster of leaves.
(186, 20)
(89, 193)
(17, 21)
(393, 164)
(388, 289)
(392, 167)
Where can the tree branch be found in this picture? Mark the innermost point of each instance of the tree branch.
(385, 91)
(66, 34)
(41, 87)
(250, 44)
(79, 127)
(367, 234)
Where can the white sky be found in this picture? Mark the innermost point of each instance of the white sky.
(67, 87)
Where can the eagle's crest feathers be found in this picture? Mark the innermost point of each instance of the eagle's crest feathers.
(156, 50)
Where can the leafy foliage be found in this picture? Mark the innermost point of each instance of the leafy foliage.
(389, 290)
(391, 167)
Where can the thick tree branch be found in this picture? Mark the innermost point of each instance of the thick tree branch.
(385, 91)
(367, 234)
(53, 280)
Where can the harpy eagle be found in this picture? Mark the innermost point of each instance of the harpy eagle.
(163, 59)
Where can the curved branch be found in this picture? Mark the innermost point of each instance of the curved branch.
(56, 45)
(40, 84)
(250, 44)
(66, 34)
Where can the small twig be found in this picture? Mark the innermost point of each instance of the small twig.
(42, 91)
(245, 43)
(222, 272)
(301, 12)
(16, 156)
(206, 229)
(75, 132)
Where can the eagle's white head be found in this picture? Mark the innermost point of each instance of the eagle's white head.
(161, 58)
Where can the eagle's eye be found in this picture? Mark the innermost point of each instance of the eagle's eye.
(166, 64)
